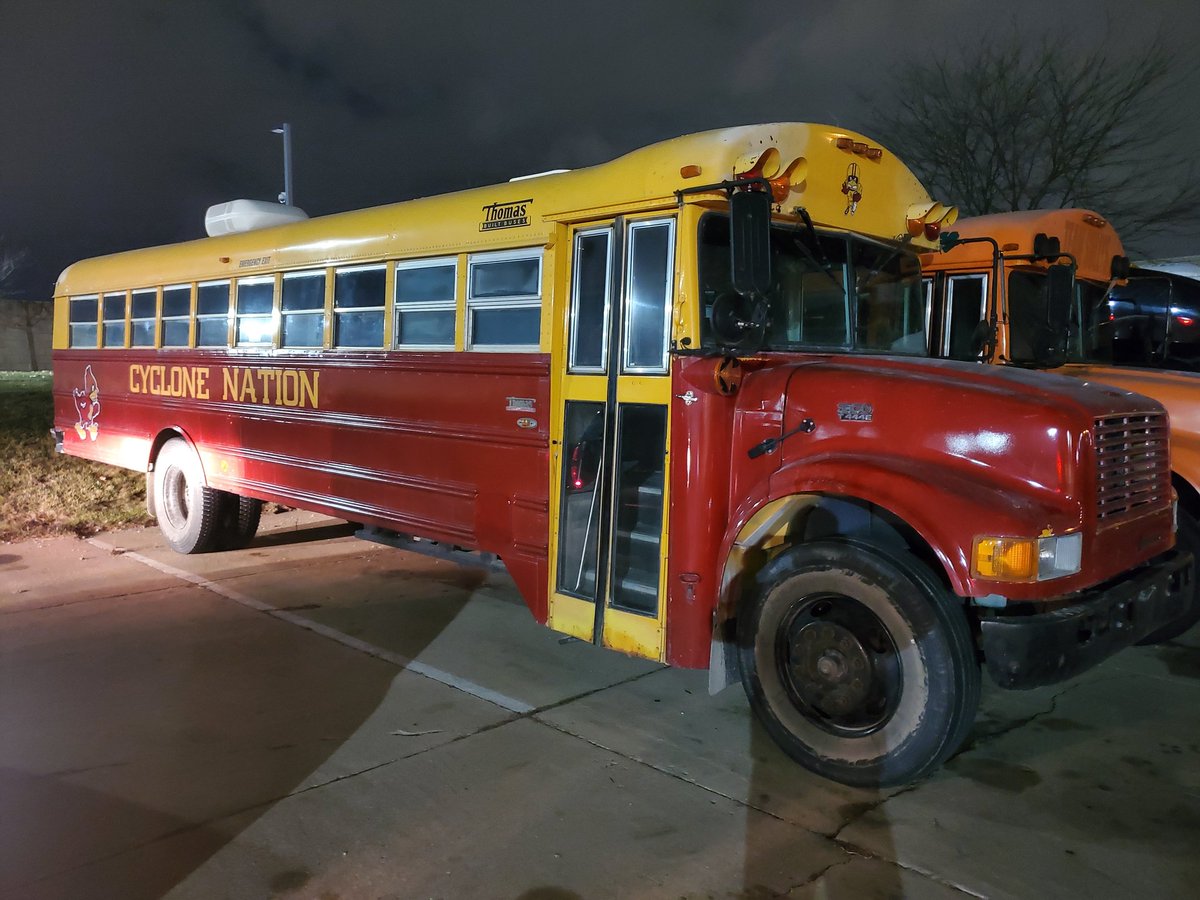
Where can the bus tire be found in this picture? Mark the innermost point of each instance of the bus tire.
(1187, 538)
(188, 511)
(239, 520)
(858, 663)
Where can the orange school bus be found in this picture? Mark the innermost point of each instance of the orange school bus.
(993, 299)
(684, 396)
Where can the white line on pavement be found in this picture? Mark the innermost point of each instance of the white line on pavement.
(412, 665)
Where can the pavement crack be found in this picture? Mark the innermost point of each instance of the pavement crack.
(865, 810)
(592, 691)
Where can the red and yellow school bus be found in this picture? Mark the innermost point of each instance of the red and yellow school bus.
(684, 396)
(992, 300)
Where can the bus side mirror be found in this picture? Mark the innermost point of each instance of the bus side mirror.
(1120, 267)
(1060, 294)
(948, 240)
(750, 242)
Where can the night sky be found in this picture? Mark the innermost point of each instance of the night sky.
(122, 121)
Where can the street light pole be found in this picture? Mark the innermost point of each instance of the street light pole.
(288, 197)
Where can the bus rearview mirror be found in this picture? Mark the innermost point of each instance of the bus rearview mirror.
(750, 242)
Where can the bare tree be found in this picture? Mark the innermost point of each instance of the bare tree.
(1008, 124)
(32, 313)
(12, 259)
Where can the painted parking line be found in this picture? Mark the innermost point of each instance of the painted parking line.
(442, 677)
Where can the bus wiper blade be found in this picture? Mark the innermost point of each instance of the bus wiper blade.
(825, 264)
(869, 275)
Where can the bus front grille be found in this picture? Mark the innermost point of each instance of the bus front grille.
(1133, 466)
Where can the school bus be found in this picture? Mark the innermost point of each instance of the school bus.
(993, 299)
(684, 397)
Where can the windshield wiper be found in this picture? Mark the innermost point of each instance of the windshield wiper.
(870, 274)
(825, 264)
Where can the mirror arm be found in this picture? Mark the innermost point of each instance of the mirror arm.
(727, 186)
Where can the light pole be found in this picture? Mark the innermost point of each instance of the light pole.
(288, 196)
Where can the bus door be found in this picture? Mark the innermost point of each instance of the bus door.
(609, 526)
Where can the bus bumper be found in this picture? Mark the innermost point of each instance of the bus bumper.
(1044, 648)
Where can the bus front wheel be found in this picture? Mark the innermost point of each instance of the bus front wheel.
(858, 663)
(188, 511)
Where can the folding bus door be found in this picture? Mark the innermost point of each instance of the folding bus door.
(609, 545)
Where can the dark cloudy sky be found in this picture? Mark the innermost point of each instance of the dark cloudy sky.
(121, 121)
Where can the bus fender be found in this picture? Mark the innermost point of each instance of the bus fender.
(925, 508)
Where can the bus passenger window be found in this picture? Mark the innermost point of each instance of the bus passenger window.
(176, 313)
(212, 314)
(303, 305)
(358, 299)
(504, 302)
(114, 320)
(142, 318)
(425, 303)
(255, 305)
(84, 312)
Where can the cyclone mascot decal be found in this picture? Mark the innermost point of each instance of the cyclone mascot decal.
(87, 405)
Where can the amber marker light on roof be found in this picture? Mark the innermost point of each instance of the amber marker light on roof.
(1094, 220)
(859, 148)
(689, 171)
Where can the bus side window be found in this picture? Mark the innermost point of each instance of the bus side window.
(84, 312)
(255, 303)
(303, 309)
(425, 303)
(114, 319)
(212, 314)
(504, 300)
(141, 316)
(358, 300)
(176, 314)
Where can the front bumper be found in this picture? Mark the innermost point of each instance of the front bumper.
(1043, 648)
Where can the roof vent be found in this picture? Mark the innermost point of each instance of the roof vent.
(248, 215)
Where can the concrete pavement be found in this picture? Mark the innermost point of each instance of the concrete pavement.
(320, 717)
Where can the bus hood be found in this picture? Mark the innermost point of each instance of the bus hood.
(1022, 431)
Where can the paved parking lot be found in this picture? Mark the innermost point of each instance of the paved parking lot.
(320, 717)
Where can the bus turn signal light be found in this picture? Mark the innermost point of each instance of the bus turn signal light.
(1027, 559)
(1006, 559)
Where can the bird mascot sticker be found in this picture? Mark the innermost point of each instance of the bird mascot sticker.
(852, 188)
(87, 404)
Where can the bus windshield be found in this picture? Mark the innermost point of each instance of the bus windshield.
(1140, 323)
(843, 291)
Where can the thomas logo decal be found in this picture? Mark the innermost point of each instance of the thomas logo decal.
(87, 405)
(505, 215)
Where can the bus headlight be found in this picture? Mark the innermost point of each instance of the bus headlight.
(1028, 559)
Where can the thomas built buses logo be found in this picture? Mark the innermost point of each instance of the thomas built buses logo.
(505, 215)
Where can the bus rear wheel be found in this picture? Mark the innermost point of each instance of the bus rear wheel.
(858, 663)
(238, 520)
(188, 511)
